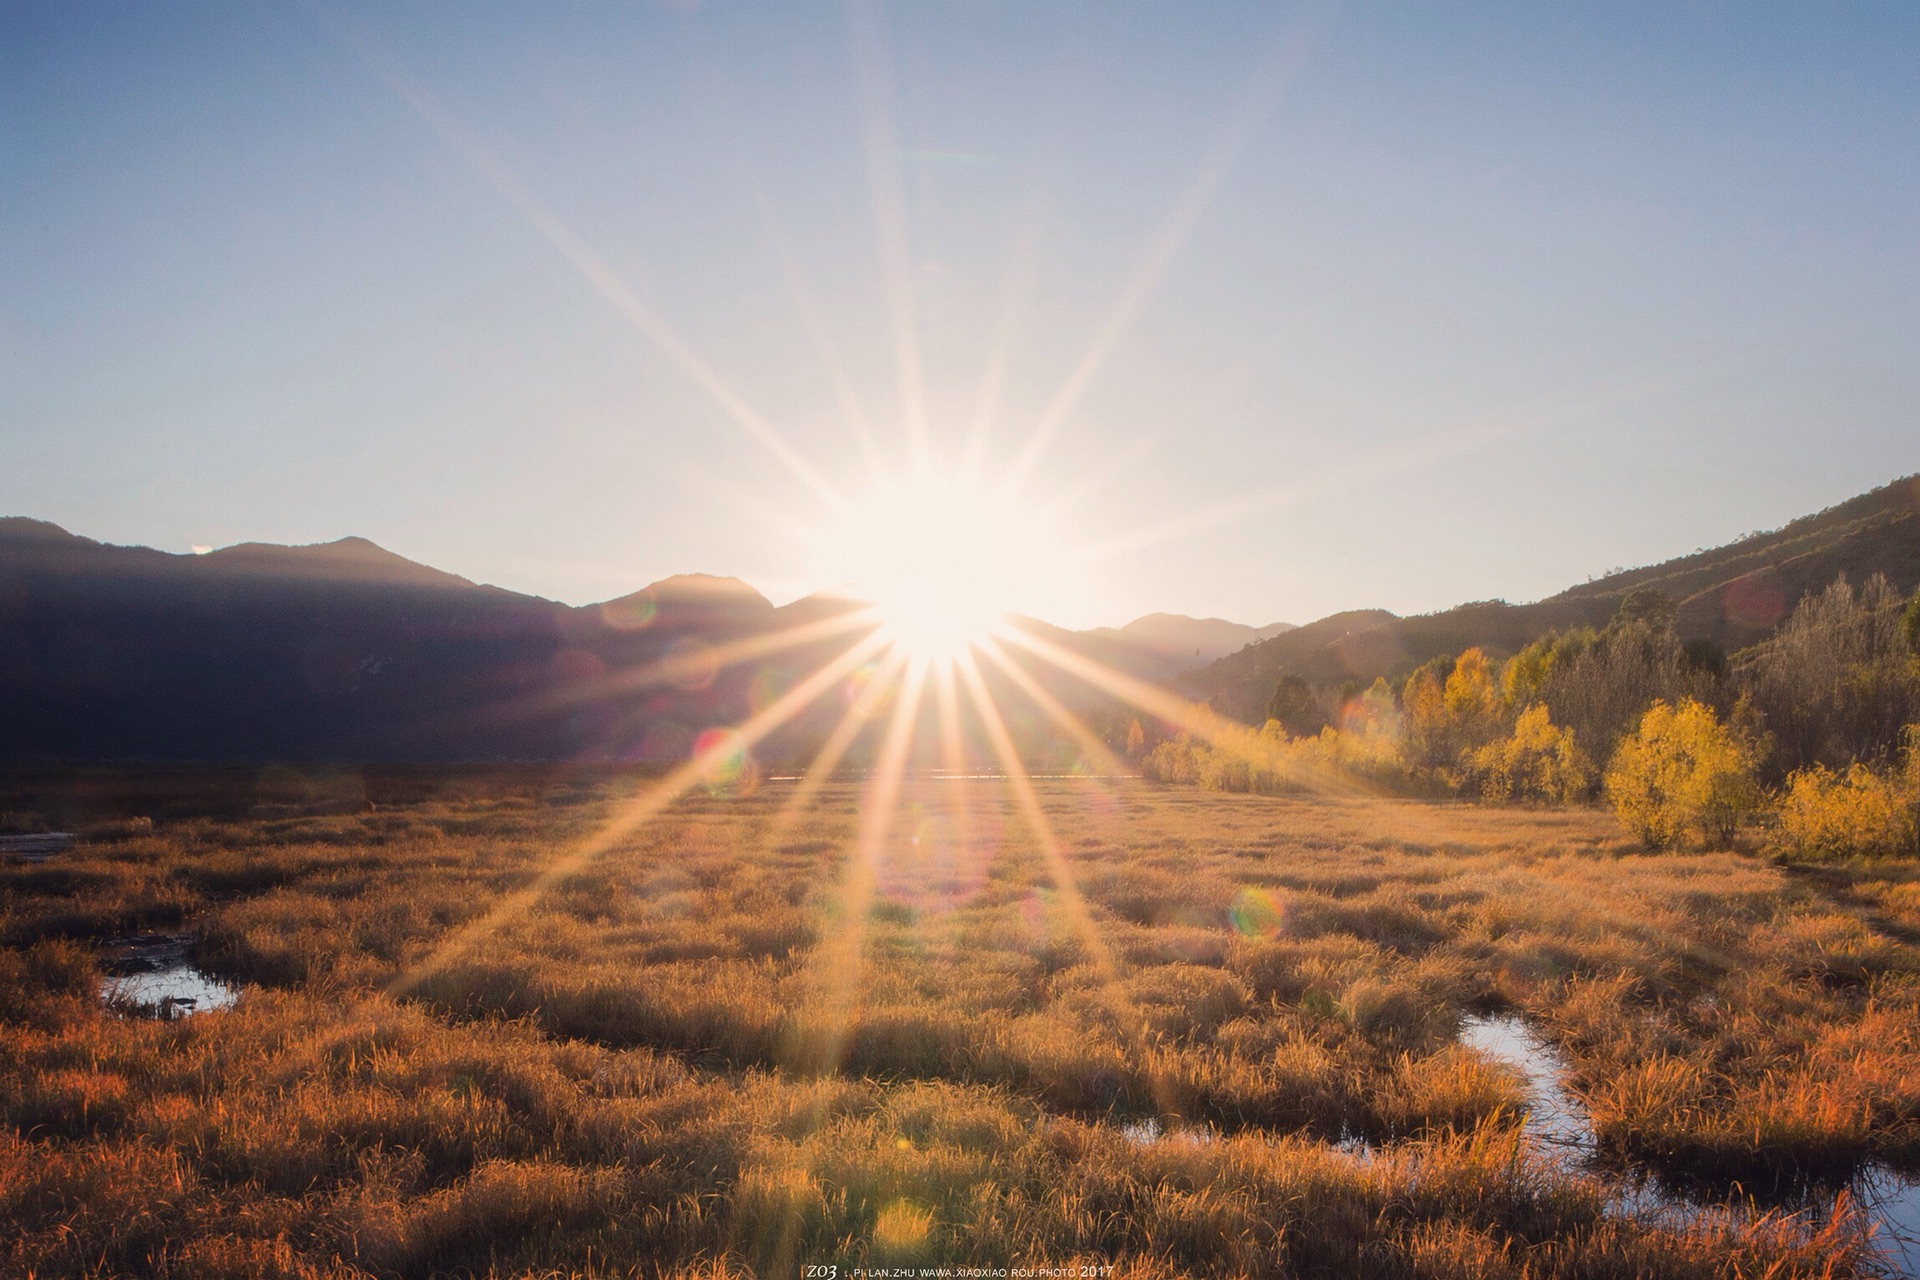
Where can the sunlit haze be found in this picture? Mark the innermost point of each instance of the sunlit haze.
(945, 561)
(970, 799)
(1304, 308)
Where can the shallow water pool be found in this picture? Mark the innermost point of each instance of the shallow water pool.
(1559, 1121)
(149, 973)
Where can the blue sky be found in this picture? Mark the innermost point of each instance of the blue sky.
(1484, 301)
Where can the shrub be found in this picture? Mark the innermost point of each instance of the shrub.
(1540, 761)
(1863, 812)
(1682, 770)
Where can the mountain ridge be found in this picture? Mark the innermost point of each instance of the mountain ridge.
(1731, 595)
(345, 650)
(1183, 642)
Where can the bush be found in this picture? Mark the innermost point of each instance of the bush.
(1682, 770)
(1540, 761)
(1860, 813)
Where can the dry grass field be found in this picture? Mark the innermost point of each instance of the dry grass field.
(741, 1040)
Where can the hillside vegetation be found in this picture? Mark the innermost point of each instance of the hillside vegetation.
(1814, 731)
(1733, 596)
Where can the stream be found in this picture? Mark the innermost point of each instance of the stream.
(1558, 1121)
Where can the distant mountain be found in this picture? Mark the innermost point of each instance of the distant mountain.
(1179, 643)
(346, 651)
(1733, 595)
(349, 560)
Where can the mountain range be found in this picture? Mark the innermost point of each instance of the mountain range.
(1732, 595)
(346, 651)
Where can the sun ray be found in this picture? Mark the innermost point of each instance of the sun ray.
(1069, 496)
(1028, 802)
(674, 668)
(958, 791)
(953, 754)
(581, 256)
(835, 748)
(1257, 100)
(807, 306)
(783, 524)
(1054, 709)
(1195, 718)
(873, 74)
(1014, 308)
(1435, 447)
(1198, 719)
(838, 958)
(636, 811)
(1060, 870)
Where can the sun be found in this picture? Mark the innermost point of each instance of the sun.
(943, 561)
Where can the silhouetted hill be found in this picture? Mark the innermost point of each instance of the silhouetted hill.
(347, 651)
(1733, 595)
(1180, 643)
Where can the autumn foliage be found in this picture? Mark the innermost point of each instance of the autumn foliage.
(1683, 771)
(1861, 810)
(1802, 728)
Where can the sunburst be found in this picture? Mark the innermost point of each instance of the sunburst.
(944, 560)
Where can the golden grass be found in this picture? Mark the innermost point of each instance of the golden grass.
(655, 1071)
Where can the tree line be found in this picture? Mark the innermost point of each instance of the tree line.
(1815, 731)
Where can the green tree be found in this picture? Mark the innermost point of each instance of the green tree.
(1525, 678)
(1650, 605)
(1295, 707)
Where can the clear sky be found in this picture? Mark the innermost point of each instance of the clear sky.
(1331, 307)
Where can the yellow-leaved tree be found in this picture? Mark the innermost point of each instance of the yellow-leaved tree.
(1472, 700)
(1683, 770)
(1447, 720)
(1540, 761)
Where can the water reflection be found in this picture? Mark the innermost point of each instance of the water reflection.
(1144, 1131)
(1558, 1120)
(149, 974)
(1554, 1115)
(1892, 1201)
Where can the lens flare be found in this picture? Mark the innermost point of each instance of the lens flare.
(1755, 600)
(767, 685)
(725, 766)
(1258, 913)
(630, 613)
(693, 664)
